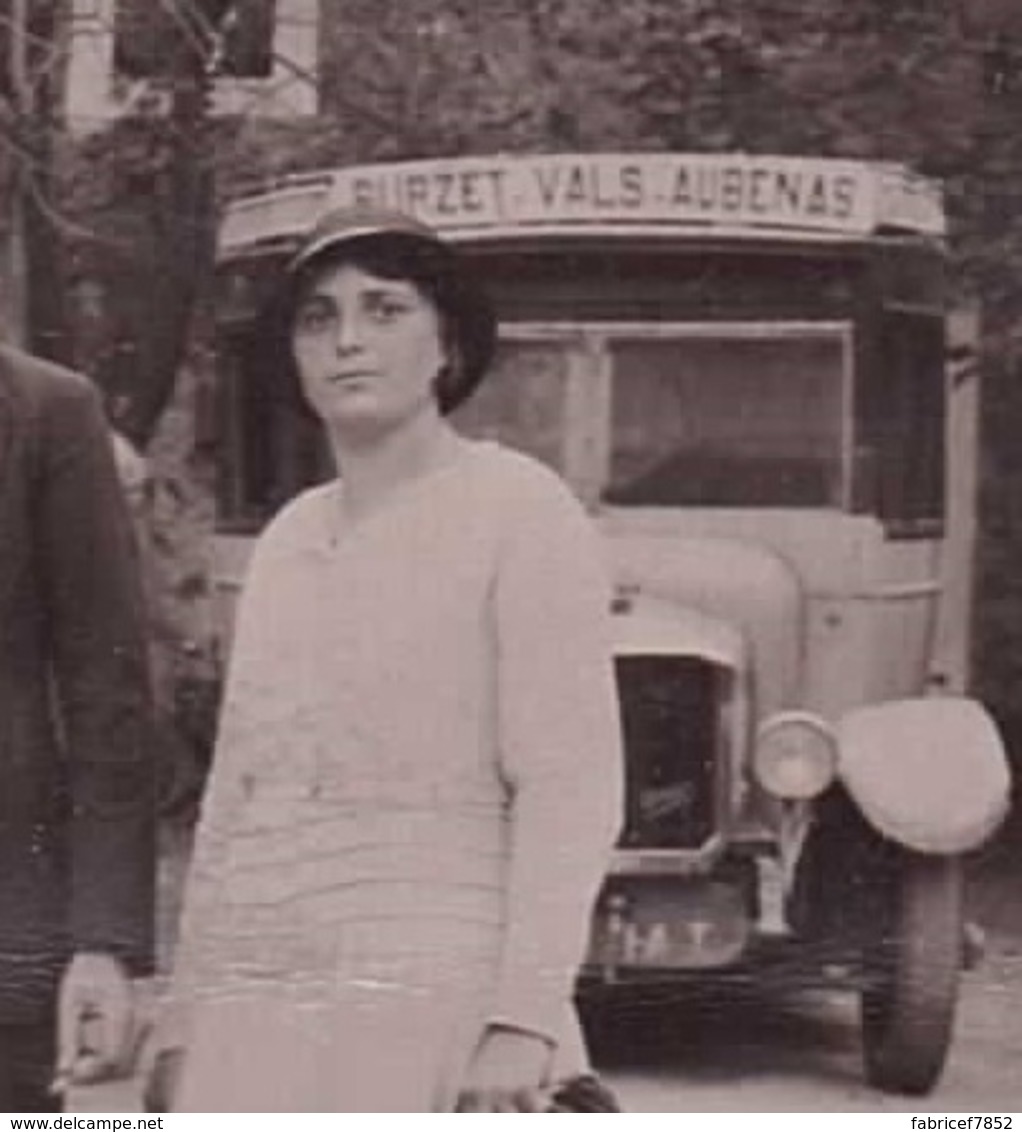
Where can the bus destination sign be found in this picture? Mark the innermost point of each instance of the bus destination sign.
(473, 197)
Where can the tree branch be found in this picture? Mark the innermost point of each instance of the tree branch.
(64, 224)
(360, 110)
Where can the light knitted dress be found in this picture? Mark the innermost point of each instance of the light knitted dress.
(415, 790)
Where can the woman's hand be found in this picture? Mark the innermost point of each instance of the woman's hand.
(508, 1072)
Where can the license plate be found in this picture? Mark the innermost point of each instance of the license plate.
(667, 924)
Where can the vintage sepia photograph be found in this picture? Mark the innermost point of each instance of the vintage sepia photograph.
(511, 583)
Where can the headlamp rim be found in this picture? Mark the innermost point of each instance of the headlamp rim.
(784, 720)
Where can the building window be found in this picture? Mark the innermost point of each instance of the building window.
(263, 56)
(236, 36)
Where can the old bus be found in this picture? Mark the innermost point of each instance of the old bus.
(747, 368)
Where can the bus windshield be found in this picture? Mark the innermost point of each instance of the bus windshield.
(727, 418)
(522, 401)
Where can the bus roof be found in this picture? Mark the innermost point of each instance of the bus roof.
(508, 198)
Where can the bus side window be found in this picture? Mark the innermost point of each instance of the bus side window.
(911, 421)
(273, 449)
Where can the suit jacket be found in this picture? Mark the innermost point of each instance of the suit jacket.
(77, 815)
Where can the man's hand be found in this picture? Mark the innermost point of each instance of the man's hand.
(96, 1031)
(508, 1073)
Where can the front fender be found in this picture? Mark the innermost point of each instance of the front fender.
(930, 773)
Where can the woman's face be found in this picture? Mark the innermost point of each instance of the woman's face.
(368, 350)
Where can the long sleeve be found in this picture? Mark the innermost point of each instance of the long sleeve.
(96, 622)
(559, 735)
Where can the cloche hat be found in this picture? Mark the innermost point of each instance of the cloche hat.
(417, 253)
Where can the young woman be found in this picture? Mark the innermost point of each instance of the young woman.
(417, 780)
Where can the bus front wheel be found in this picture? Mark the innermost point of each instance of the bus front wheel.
(912, 974)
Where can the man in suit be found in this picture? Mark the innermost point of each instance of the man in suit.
(77, 821)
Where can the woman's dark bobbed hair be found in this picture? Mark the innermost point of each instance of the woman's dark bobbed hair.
(393, 245)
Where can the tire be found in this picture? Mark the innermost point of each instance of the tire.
(912, 975)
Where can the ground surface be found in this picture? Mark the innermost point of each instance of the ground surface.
(709, 1051)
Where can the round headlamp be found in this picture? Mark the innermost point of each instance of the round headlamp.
(795, 756)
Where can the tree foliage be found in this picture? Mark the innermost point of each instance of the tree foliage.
(934, 83)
